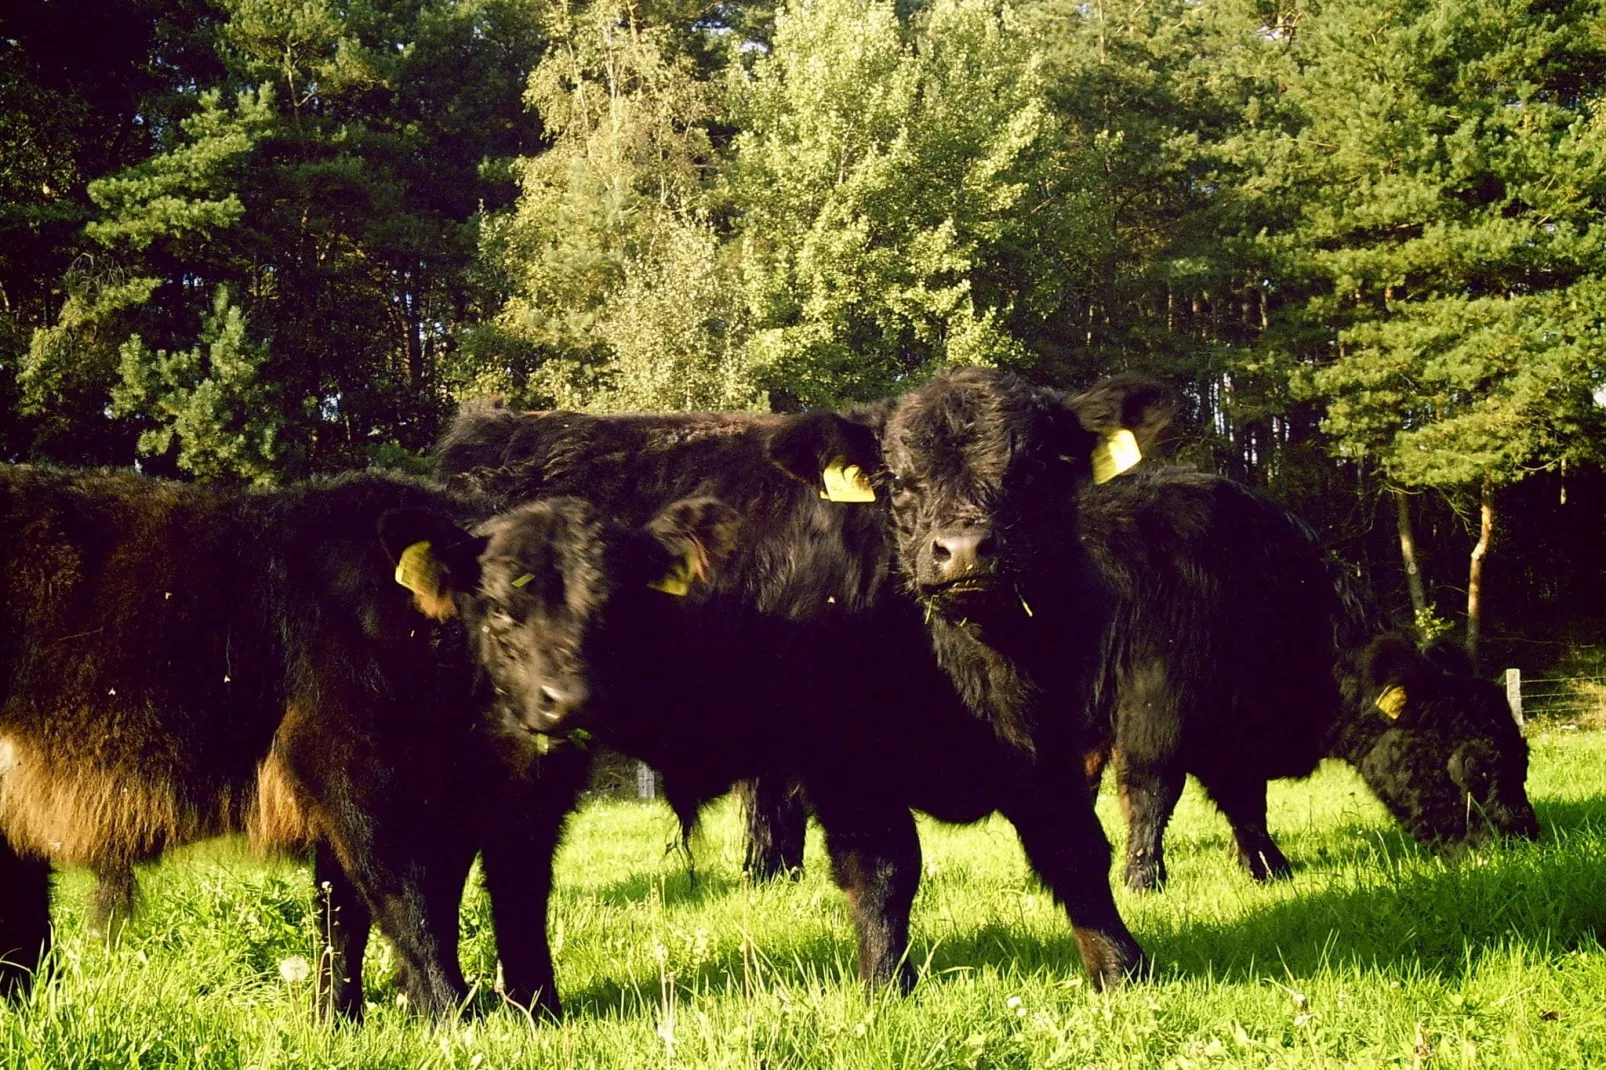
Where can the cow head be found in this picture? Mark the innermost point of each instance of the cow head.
(980, 472)
(534, 585)
(1440, 749)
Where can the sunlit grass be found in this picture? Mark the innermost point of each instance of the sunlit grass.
(1374, 954)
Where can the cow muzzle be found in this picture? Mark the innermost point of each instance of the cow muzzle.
(962, 561)
(556, 709)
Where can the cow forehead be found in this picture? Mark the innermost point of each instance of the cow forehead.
(537, 543)
(970, 438)
(541, 532)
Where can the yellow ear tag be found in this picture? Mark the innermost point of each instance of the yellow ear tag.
(846, 484)
(677, 581)
(417, 571)
(524, 580)
(1391, 703)
(1118, 452)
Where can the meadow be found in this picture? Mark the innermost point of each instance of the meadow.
(1375, 954)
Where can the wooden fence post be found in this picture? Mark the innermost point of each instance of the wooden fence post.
(1514, 694)
(646, 781)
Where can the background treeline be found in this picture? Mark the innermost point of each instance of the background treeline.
(254, 239)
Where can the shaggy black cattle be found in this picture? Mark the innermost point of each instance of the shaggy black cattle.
(179, 662)
(531, 586)
(808, 662)
(1237, 654)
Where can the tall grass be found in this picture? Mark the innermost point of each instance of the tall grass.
(1374, 954)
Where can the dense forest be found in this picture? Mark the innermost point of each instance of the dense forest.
(251, 240)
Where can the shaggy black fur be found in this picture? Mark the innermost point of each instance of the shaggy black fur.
(1453, 767)
(804, 664)
(1237, 654)
(182, 661)
(533, 587)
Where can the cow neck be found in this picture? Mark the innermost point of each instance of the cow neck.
(994, 675)
(1352, 734)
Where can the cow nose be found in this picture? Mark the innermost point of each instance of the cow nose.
(556, 705)
(964, 551)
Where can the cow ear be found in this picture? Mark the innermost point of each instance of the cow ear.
(1450, 658)
(434, 558)
(1396, 675)
(687, 544)
(834, 452)
(1121, 418)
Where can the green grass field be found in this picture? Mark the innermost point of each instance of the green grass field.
(1375, 954)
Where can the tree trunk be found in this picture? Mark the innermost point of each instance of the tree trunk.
(1475, 573)
(1413, 575)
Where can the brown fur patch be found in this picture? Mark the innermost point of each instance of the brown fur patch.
(87, 815)
(276, 820)
(436, 605)
(1093, 763)
(80, 814)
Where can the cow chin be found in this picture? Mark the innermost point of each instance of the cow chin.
(980, 599)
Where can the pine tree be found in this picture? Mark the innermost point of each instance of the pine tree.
(1448, 162)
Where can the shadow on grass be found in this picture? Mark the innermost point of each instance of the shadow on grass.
(1390, 907)
(1561, 816)
(682, 888)
(1364, 844)
(1401, 913)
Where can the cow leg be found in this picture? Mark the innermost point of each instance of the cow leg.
(391, 865)
(520, 837)
(775, 821)
(398, 897)
(344, 922)
(1243, 803)
(1148, 799)
(875, 860)
(113, 901)
(24, 919)
(1067, 849)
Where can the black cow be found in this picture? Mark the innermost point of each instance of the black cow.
(530, 587)
(1237, 654)
(179, 661)
(808, 661)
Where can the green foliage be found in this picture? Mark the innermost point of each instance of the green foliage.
(676, 328)
(64, 375)
(1343, 230)
(209, 404)
(1447, 166)
(329, 179)
(188, 194)
(880, 169)
(618, 298)
(1431, 626)
(86, 87)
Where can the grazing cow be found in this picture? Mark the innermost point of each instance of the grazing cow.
(808, 661)
(1236, 654)
(181, 661)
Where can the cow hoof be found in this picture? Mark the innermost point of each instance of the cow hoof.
(1268, 866)
(1111, 960)
(1146, 876)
